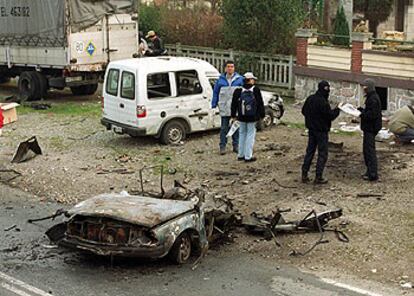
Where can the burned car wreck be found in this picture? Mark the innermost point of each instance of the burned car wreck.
(136, 226)
(177, 223)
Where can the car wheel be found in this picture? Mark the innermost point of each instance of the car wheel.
(173, 133)
(278, 111)
(180, 252)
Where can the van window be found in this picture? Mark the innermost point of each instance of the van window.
(158, 86)
(188, 83)
(128, 85)
(112, 82)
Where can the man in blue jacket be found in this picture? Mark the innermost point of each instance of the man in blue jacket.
(222, 97)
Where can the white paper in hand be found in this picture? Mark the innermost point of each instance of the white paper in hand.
(350, 109)
(234, 127)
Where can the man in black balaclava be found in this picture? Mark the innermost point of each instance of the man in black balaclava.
(318, 119)
(371, 124)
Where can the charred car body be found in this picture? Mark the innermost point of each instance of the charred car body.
(133, 226)
(174, 223)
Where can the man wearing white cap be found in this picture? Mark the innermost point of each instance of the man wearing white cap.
(248, 107)
(156, 47)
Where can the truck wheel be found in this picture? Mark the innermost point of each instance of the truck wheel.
(180, 252)
(84, 90)
(43, 84)
(29, 86)
(173, 133)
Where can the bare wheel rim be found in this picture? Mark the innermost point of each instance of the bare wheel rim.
(267, 121)
(185, 249)
(175, 135)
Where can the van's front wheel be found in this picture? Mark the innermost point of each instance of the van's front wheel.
(173, 133)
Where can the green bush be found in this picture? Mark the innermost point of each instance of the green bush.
(262, 25)
(341, 28)
(150, 18)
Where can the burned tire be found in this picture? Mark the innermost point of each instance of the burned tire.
(84, 90)
(29, 86)
(173, 133)
(181, 250)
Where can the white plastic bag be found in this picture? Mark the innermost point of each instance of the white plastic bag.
(234, 127)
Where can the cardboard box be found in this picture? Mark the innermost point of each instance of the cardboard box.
(9, 112)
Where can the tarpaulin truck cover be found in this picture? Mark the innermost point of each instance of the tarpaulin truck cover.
(43, 22)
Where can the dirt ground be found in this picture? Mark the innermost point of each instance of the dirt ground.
(81, 159)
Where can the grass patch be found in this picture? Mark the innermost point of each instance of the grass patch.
(298, 125)
(66, 109)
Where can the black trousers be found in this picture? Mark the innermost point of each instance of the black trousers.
(319, 141)
(370, 154)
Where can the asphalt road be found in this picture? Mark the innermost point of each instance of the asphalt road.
(30, 266)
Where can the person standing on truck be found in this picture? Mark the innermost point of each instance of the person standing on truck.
(371, 124)
(222, 98)
(318, 119)
(248, 108)
(155, 45)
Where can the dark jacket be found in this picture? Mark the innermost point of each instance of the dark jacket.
(318, 113)
(371, 116)
(260, 113)
(156, 46)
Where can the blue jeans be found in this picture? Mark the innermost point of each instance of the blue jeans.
(247, 133)
(406, 136)
(225, 127)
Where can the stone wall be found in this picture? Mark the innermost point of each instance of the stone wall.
(341, 91)
(350, 92)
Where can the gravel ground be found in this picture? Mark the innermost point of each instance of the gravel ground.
(81, 159)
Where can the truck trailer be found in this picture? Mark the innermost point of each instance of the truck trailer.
(64, 43)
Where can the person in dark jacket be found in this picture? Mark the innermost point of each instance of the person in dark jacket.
(318, 119)
(371, 124)
(155, 45)
(247, 107)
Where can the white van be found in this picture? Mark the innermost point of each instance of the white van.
(164, 97)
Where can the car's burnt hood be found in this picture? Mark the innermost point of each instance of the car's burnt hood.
(135, 209)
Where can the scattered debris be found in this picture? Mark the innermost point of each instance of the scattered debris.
(84, 137)
(10, 228)
(271, 225)
(39, 106)
(16, 175)
(284, 186)
(122, 171)
(27, 150)
(406, 285)
(368, 194)
(336, 147)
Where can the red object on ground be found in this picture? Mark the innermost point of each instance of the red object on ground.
(1, 118)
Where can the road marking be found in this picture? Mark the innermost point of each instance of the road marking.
(23, 285)
(350, 288)
(14, 290)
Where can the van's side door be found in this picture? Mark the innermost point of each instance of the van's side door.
(127, 105)
(194, 102)
(110, 94)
